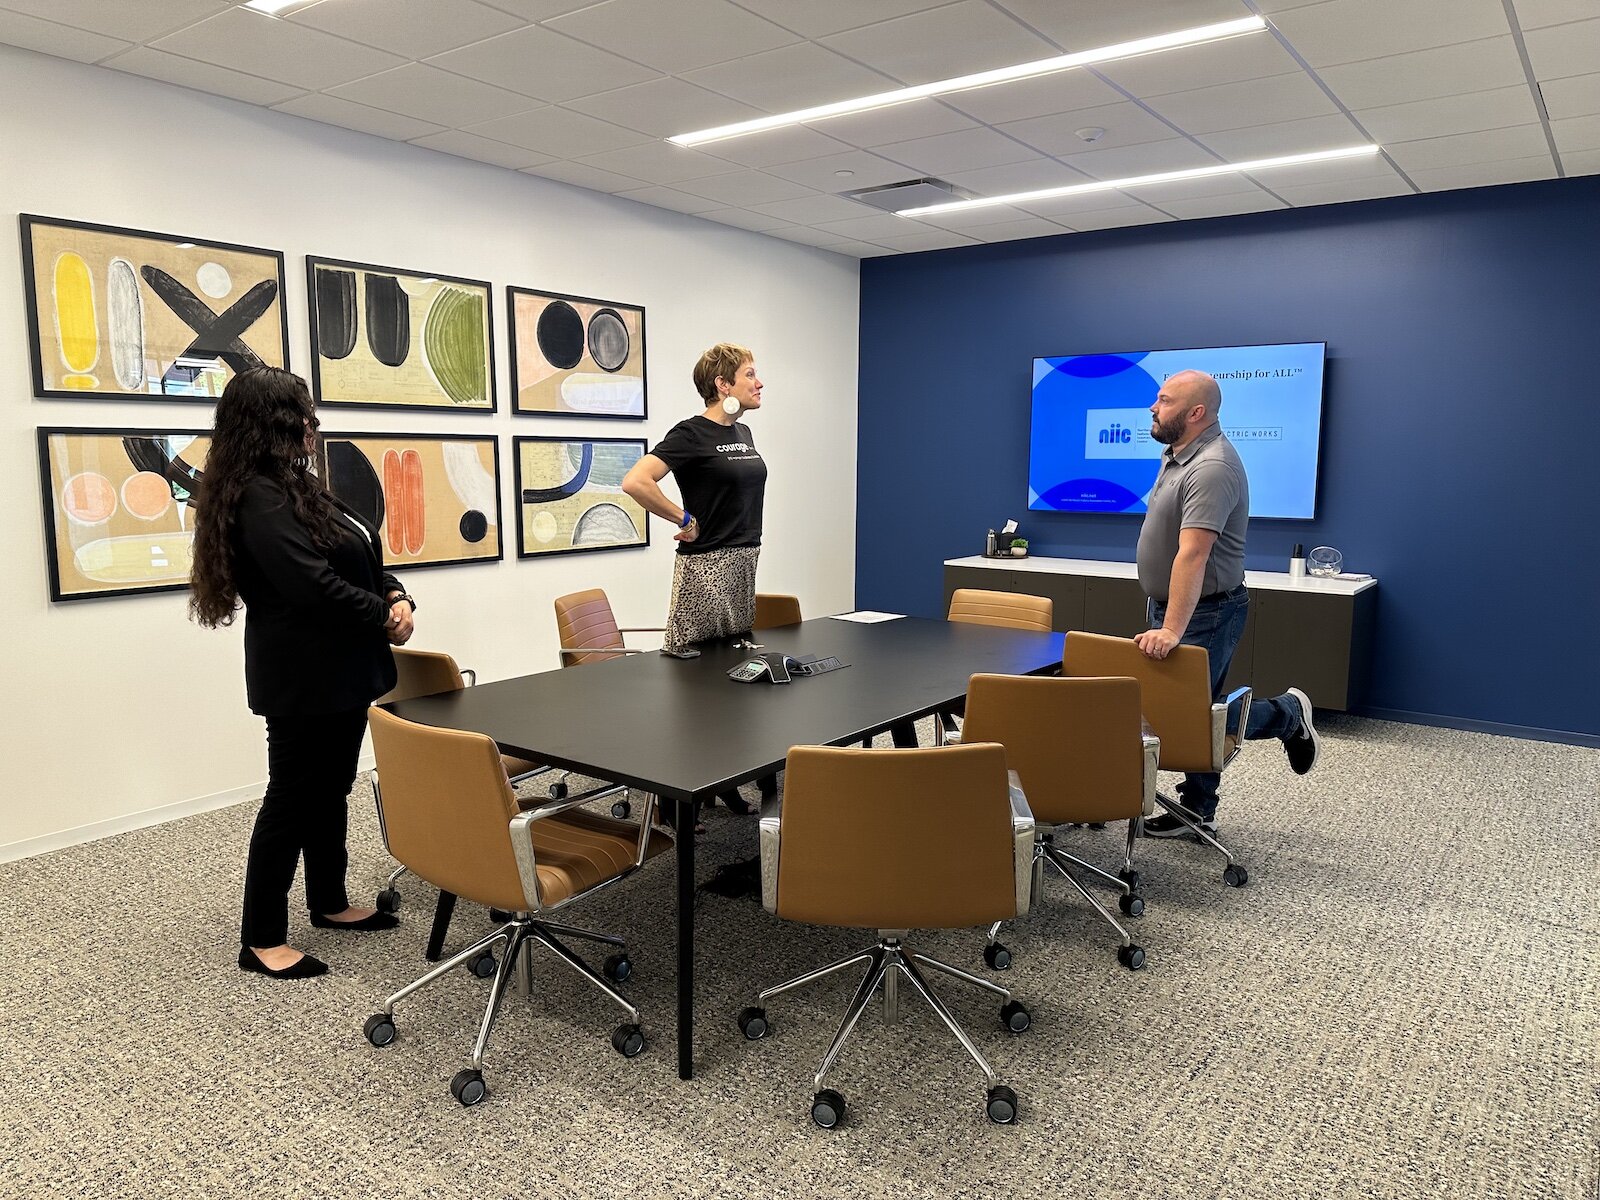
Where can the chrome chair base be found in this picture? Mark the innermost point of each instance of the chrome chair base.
(1234, 874)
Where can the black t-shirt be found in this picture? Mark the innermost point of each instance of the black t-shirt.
(722, 478)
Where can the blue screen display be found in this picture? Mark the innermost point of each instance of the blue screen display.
(1091, 451)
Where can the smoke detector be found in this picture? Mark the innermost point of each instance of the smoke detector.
(1090, 133)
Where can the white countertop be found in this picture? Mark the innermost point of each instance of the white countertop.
(1277, 581)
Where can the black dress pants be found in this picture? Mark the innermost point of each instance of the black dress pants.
(311, 765)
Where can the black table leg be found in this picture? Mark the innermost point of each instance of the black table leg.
(686, 817)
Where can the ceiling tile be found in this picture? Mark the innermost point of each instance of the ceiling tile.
(480, 149)
(1424, 74)
(1175, 154)
(1464, 149)
(1343, 191)
(1338, 170)
(1025, 176)
(429, 94)
(559, 133)
(1534, 14)
(219, 81)
(816, 18)
(660, 162)
(1123, 124)
(539, 10)
(405, 27)
(1113, 218)
(1518, 170)
(965, 150)
(814, 209)
(970, 220)
(248, 41)
(1576, 133)
(1584, 162)
(1198, 208)
(1238, 105)
(675, 37)
(132, 22)
(1189, 68)
(1563, 50)
(792, 77)
(743, 218)
(804, 236)
(663, 107)
(958, 39)
(331, 110)
(1194, 189)
(1286, 137)
(871, 228)
(665, 197)
(1012, 231)
(1060, 91)
(538, 62)
(1575, 96)
(1342, 31)
(1450, 114)
(777, 146)
(933, 239)
(63, 41)
(822, 174)
(901, 123)
(584, 176)
(1090, 26)
(854, 249)
(745, 187)
(1059, 208)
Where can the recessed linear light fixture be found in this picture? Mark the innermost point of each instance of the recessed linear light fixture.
(962, 83)
(277, 8)
(1079, 189)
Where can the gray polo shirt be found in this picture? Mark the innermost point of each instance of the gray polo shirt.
(1201, 487)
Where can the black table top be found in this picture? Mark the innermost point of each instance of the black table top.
(682, 729)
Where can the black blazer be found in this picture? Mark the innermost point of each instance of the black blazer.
(314, 639)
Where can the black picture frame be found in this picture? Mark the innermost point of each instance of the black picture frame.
(540, 497)
(615, 314)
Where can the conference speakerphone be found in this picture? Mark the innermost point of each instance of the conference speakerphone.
(780, 668)
(812, 665)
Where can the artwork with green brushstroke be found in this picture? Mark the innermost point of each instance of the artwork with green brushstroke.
(382, 337)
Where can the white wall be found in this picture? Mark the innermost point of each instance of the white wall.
(118, 712)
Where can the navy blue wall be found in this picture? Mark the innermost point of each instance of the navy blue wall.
(1460, 456)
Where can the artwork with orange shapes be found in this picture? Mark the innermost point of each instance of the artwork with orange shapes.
(119, 508)
(123, 313)
(434, 498)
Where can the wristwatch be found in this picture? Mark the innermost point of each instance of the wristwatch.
(407, 597)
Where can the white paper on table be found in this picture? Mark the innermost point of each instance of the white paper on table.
(867, 617)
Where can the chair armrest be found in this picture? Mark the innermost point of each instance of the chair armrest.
(647, 820)
(643, 629)
(527, 864)
(771, 828)
(468, 674)
(1022, 834)
(1152, 761)
(598, 650)
(1231, 716)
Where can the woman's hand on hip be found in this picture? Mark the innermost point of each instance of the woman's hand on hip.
(689, 532)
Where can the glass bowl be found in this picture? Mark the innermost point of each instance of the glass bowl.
(1324, 562)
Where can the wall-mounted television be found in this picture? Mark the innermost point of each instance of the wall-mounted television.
(1090, 449)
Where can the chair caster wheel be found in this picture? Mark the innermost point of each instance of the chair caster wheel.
(753, 1023)
(621, 810)
(627, 1040)
(1234, 875)
(468, 1087)
(558, 791)
(1096, 825)
(1002, 1105)
(827, 1108)
(1131, 956)
(499, 916)
(1132, 905)
(1014, 1018)
(379, 1029)
(483, 965)
(618, 968)
(1131, 878)
(997, 957)
(388, 901)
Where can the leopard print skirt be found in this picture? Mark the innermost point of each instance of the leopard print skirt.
(713, 595)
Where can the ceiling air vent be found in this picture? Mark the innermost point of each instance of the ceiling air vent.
(892, 197)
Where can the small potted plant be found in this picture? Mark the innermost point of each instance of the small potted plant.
(1019, 547)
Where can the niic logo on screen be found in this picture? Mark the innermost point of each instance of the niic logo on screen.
(1118, 433)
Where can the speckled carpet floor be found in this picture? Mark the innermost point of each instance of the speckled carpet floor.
(1404, 1002)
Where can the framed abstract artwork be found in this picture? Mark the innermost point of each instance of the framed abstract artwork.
(118, 506)
(387, 338)
(434, 498)
(570, 498)
(572, 357)
(126, 314)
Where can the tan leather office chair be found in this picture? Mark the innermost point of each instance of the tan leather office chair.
(773, 610)
(895, 840)
(1009, 610)
(1078, 747)
(1196, 733)
(452, 818)
(588, 630)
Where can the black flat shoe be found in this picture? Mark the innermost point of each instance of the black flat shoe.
(377, 920)
(306, 968)
(735, 803)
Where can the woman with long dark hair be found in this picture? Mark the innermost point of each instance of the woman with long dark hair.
(320, 614)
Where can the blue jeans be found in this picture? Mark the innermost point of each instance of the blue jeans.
(1217, 626)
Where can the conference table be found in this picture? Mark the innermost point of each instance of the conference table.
(683, 730)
